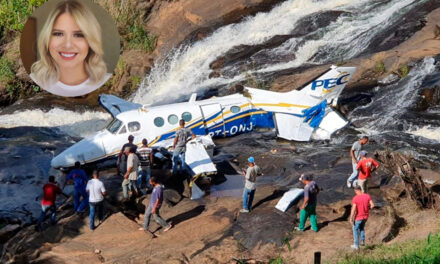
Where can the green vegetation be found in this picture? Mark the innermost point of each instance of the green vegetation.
(426, 251)
(139, 39)
(6, 71)
(380, 67)
(13, 14)
(135, 81)
(403, 71)
(134, 36)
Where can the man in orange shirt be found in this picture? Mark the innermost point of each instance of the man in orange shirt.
(365, 166)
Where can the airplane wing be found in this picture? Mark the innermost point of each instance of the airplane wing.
(115, 105)
(198, 154)
(197, 157)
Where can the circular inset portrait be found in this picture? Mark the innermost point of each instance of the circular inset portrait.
(66, 50)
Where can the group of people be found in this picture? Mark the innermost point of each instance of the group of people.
(91, 191)
(363, 166)
(134, 164)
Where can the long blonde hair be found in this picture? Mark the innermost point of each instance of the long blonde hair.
(46, 70)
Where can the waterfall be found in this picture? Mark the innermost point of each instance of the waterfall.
(186, 69)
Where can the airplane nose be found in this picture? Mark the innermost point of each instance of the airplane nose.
(86, 150)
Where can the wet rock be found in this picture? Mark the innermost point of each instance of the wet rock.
(7, 232)
(214, 74)
(217, 64)
(315, 21)
(389, 79)
(171, 196)
(428, 98)
(273, 227)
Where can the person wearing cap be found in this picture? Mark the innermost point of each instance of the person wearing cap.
(250, 185)
(122, 158)
(131, 175)
(79, 178)
(354, 153)
(179, 145)
(360, 209)
(308, 207)
(365, 166)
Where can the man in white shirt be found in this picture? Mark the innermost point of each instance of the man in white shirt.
(96, 190)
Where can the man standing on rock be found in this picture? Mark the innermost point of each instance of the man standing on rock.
(146, 159)
(96, 191)
(122, 157)
(154, 205)
(179, 146)
(131, 175)
(354, 153)
(365, 166)
(50, 191)
(250, 185)
(79, 178)
(308, 208)
(360, 210)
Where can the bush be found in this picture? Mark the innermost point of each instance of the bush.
(380, 67)
(13, 14)
(6, 71)
(403, 71)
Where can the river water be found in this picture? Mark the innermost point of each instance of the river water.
(316, 32)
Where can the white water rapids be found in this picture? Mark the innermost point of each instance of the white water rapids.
(186, 70)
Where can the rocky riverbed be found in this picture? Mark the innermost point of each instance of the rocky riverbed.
(394, 98)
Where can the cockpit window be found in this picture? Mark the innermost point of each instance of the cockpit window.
(235, 109)
(114, 126)
(186, 116)
(134, 126)
(123, 130)
(158, 121)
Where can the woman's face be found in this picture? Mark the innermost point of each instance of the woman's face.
(67, 44)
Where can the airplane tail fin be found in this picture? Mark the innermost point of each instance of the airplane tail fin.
(330, 84)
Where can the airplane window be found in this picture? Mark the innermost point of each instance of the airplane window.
(235, 109)
(158, 121)
(123, 130)
(172, 119)
(114, 125)
(187, 116)
(134, 126)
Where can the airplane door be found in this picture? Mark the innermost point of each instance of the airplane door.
(213, 119)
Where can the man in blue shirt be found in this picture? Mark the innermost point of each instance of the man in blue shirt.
(78, 177)
(154, 205)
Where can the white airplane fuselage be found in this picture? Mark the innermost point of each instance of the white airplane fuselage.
(218, 117)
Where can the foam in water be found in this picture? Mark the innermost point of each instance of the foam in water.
(186, 70)
(428, 132)
(72, 123)
(384, 112)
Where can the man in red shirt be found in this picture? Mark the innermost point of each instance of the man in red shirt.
(50, 191)
(360, 210)
(365, 166)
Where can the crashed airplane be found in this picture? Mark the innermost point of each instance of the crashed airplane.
(295, 115)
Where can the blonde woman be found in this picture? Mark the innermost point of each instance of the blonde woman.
(70, 50)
